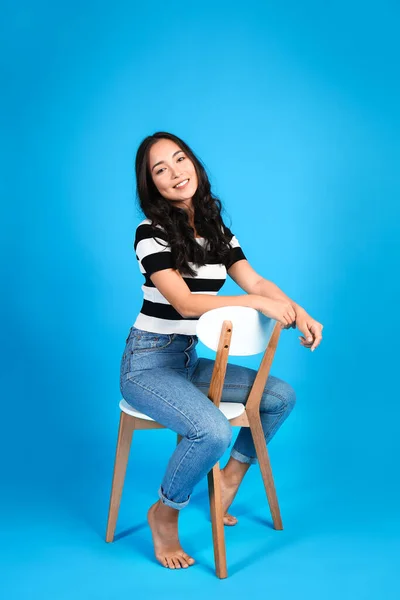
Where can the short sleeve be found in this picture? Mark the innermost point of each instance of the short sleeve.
(152, 249)
(236, 253)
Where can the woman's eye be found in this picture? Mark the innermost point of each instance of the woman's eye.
(181, 157)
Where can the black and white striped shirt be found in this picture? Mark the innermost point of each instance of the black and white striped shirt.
(157, 314)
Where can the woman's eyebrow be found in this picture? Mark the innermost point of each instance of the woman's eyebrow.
(162, 161)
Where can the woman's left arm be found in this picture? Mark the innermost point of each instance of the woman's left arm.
(251, 282)
(309, 327)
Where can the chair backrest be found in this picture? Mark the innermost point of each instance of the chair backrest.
(251, 330)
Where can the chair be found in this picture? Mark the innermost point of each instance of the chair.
(229, 330)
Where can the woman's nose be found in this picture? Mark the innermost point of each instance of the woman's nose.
(175, 171)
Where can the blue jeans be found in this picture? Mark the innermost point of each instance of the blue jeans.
(162, 376)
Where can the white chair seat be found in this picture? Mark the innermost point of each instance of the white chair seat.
(229, 409)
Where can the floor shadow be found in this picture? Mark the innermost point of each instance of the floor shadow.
(127, 532)
(201, 501)
(262, 552)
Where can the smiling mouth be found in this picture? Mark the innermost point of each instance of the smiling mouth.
(182, 184)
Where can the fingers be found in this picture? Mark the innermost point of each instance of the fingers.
(304, 342)
(291, 314)
(315, 340)
(317, 332)
(308, 334)
(289, 318)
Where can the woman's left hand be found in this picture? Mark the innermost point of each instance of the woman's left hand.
(311, 330)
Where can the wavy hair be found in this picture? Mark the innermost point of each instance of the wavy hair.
(175, 221)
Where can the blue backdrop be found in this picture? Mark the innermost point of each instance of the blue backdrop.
(293, 107)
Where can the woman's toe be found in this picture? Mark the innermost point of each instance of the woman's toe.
(230, 520)
(176, 562)
(183, 560)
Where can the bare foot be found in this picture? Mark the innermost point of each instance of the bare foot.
(163, 521)
(229, 487)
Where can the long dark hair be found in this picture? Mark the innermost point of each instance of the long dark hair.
(175, 221)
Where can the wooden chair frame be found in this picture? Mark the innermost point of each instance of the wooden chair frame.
(250, 418)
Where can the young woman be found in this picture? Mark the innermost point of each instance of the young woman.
(184, 252)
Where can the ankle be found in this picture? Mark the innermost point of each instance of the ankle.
(235, 471)
(165, 512)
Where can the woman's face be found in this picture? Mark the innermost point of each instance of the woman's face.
(169, 165)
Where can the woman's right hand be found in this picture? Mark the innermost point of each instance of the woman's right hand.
(280, 310)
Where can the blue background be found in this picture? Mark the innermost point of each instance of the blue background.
(293, 107)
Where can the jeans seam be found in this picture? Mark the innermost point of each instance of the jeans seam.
(195, 370)
(277, 421)
(177, 469)
(242, 385)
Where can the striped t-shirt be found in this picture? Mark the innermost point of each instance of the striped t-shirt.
(157, 314)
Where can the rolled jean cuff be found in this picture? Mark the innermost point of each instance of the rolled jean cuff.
(242, 458)
(168, 502)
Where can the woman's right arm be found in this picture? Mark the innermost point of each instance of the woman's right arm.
(174, 288)
(280, 310)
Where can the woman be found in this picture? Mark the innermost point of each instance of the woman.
(184, 252)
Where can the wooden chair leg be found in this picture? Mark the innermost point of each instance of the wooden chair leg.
(265, 467)
(217, 520)
(125, 432)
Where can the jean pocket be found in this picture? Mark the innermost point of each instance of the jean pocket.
(138, 344)
(145, 341)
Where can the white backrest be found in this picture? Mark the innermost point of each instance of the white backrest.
(251, 330)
